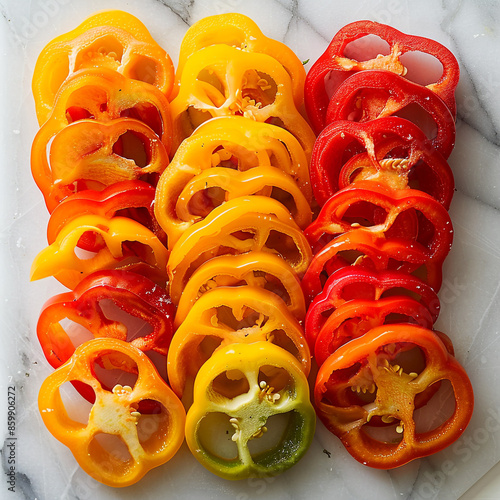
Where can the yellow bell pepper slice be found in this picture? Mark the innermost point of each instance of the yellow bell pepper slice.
(126, 244)
(228, 315)
(238, 226)
(239, 31)
(257, 269)
(257, 394)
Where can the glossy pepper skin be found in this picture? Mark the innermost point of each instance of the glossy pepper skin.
(408, 214)
(127, 245)
(372, 364)
(131, 293)
(389, 150)
(338, 65)
(241, 225)
(350, 284)
(245, 385)
(218, 161)
(132, 199)
(373, 94)
(113, 39)
(90, 155)
(356, 317)
(256, 269)
(229, 315)
(239, 31)
(374, 252)
(220, 80)
(150, 439)
(100, 95)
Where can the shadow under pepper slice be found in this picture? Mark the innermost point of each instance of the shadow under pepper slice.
(241, 225)
(353, 283)
(257, 269)
(127, 245)
(229, 315)
(334, 63)
(220, 80)
(239, 31)
(389, 150)
(88, 154)
(130, 293)
(251, 415)
(113, 39)
(369, 95)
(147, 440)
(381, 362)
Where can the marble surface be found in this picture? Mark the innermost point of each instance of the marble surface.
(45, 469)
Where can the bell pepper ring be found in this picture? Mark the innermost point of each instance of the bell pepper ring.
(336, 64)
(231, 143)
(87, 154)
(213, 187)
(352, 283)
(391, 385)
(250, 391)
(408, 214)
(102, 95)
(239, 31)
(112, 39)
(256, 269)
(364, 249)
(127, 245)
(393, 150)
(130, 293)
(372, 94)
(132, 199)
(229, 315)
(241, 225)
(147, 440)
(356, 317)
(220, 80)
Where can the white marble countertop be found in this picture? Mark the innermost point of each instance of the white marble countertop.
(470, 296)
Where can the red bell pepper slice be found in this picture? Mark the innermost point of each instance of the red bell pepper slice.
(373, 94)
(389, 367)
(133, 199)
(131, 293)
(334, 63)
(356, 317)
(352, 283)
(409, 214)
(368, 250)
(392, 149)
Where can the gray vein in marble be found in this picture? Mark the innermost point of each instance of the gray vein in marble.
(293, 9)
(180, 9)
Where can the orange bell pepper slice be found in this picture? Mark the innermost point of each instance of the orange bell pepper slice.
(238, 226)
(145, 439)
(220, 80)
(113, 39)
(230, 315)
(127, 245)
(257, 269)
(102, 95)
(239, 31)
(88, 154)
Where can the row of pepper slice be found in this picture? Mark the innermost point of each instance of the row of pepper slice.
(380, 175)
(184, 203)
